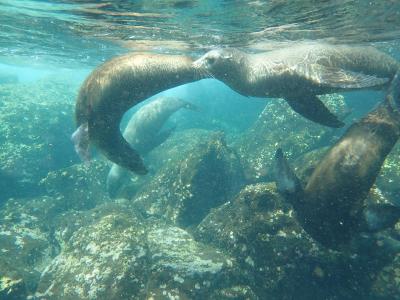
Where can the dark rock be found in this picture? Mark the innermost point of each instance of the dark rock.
(278, 258)
(279, 126)
(387, 283)
(192, 182)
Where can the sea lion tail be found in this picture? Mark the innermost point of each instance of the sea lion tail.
(393, 93)
(287, 182)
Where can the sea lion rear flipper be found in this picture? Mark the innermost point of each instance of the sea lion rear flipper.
(113, 145)
(379, 216)
(312, 108)
(286, 180)
(344, 79)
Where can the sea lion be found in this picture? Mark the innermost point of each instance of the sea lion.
(143, 134)
(114, 87)
(300, 73)
(332, 206)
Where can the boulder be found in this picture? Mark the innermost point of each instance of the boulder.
(193, 181)
(114, 253)
(276, 256)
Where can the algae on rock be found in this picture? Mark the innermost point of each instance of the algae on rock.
(187, 186)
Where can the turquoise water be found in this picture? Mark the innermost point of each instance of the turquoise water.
(207, 221)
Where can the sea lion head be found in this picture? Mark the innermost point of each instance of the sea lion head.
(221, 63)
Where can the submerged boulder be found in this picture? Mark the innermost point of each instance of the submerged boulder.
(81, 186)
(278, 258)
(26, 244)
(182, 268)
(118, 254)
(104, 260)
(279, 126)
(188, 185)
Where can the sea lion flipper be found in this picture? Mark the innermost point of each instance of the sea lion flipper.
(344, 79)
(80, 138)
(312, 108)
(115, 147)
(286, 180)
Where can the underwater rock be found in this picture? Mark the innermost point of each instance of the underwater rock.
(389, 176)
(387, 283)
(105, 260)
(278, 258)
(182, 268)
(117, 254)
(194, 180)
(81, 186)
(35, 127)
(279, 125)
(11, 288)
(26, 244)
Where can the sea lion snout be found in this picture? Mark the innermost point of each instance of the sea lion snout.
(213, 59)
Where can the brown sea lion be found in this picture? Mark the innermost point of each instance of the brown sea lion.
(332, 206)
(300, 73)
(114, 87)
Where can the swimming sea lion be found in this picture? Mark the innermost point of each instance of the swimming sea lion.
(143, 134)
(332, 206)
(113, 88)
(300, 73)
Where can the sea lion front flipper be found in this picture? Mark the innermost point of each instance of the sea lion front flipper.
(286, 180)
(344, 79)
(312, 108)
(380, 216)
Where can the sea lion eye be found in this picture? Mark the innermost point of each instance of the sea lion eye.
(211, 60)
